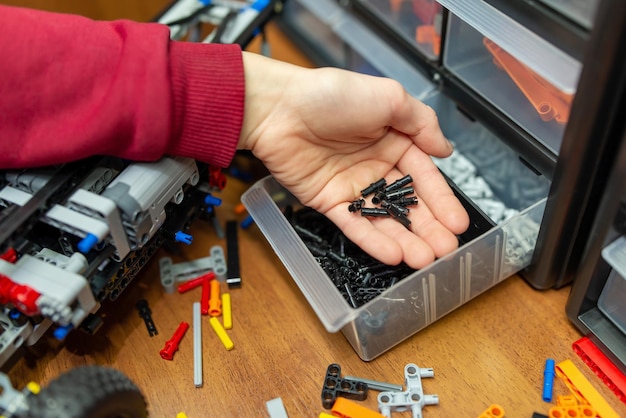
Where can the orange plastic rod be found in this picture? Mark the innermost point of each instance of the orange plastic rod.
(215, 303)
(549, 102)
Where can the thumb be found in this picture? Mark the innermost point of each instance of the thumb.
(419, 121)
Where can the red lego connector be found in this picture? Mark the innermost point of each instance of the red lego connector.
(217, 179)
(204, 299)
(193, 283)
(171, 346)
(9, 255)
(23, 297)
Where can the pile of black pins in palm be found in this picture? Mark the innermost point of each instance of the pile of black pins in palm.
(392, 200)
(356, 275)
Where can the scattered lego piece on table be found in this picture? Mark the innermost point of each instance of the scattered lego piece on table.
(215, 303)
(568, 407)
(197, 345)
(548, 380)
(412, 398)
(494, 411)
(276, 409)
(608, 372)
(146, 314)
(347, 409)
(232, 244)
(221, 333)
(583, 389)
(335, 386)
(171, 345)
(227, 316)
(375, 385)
(197, 282)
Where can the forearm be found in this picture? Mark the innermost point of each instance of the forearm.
(72, 87)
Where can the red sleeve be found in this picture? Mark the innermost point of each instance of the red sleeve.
(71, 87)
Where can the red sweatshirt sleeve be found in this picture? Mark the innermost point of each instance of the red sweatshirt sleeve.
(71, 87)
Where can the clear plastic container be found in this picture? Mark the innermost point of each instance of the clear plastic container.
(423, 296)
(612, 301)
(416, 21)
(347, 38)
(524, 76)
(317, 21)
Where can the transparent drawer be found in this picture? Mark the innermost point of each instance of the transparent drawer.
(317, 21)
(359, 45)
(416, 21)
(612, 301)
(374, 319)
(355, 62)
(525, 77)
(582, 12)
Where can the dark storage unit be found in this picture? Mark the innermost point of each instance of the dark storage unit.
(597, 303)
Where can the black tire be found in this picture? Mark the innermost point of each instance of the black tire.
(89, 392)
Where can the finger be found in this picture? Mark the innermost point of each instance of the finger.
(389, 241)
(438, 237)
(433, 189)
(417, 250)
(419, 121)
(367, 234)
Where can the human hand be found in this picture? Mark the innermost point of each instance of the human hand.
(326, 134)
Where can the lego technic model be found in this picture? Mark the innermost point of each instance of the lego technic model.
(76, 235)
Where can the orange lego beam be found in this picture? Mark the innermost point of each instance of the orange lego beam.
(548, 101)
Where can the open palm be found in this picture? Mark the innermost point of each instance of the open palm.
(326, 134)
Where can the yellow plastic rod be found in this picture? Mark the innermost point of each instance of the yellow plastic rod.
(221, 333)
(227, 315)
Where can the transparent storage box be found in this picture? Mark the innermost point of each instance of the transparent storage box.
(325, 39)
(525, 77)
(418, 22)
(612, 301)
(353, 45)
(490, 252)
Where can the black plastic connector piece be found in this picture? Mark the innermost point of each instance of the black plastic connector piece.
(356, 205)
(146, 314)
(374, 212)
(335, 385)
(380, 184)
(400, 183)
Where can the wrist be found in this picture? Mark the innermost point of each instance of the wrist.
(267, 95)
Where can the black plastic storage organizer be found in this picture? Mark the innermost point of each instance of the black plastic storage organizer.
(597, 303)
(523, 89)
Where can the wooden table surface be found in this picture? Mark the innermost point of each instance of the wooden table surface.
(491, 350)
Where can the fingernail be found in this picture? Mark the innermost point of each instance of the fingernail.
(450, 145)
